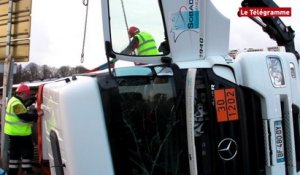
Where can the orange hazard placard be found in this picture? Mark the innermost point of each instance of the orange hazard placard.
(226, 104)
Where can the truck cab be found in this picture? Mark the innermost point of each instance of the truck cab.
(191, 109)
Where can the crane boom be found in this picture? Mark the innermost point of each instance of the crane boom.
(273, 26)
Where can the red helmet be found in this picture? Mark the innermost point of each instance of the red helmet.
(132, 31)
(23, 88)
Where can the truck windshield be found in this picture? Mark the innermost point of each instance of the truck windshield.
(132, 13)
(146, 129)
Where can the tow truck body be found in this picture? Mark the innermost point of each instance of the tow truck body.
(190, 110)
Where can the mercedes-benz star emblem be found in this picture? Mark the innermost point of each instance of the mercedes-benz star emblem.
(227, 149)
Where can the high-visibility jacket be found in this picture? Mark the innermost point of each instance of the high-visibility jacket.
(14, 126)
(147, 45)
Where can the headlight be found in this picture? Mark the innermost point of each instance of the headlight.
(292, 69)
(275, 71)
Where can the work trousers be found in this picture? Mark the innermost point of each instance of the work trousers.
(20, 151)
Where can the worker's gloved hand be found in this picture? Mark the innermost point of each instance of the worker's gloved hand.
(30, 101)
(32, 110)
(164, 47)
(40, 113)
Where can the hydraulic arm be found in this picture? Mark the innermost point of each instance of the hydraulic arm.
(276, 29)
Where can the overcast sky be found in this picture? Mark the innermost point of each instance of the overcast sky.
(58, 25)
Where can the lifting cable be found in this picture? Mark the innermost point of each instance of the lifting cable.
(125, 18)
(85, 3)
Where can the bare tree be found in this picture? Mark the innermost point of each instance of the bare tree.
(47, 72)
(33, 71)
(30, 72)
(18, 76)
(26, 75)
(78, 70)
(64, 71)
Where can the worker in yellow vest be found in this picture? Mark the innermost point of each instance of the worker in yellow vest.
(142, 41)
(18, 126)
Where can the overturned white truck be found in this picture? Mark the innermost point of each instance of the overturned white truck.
(190, 110)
